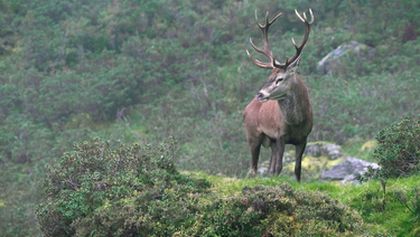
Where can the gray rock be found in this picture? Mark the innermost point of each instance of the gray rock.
(313, 149)
(289, 156)
(349, 170)
(263, 170)
(333, 62)
(331, 150)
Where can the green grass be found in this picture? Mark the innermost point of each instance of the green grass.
(366, 198)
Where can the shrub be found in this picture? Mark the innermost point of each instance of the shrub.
(276, 211)
(122, 190)
(398, 150)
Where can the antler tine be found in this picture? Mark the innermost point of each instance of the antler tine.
(258, 62)
(312, 16)
(298, 15)
(256, 16)
(304, 18)
(265, 20)
(294, 43)
(255, 47)
(275, 18)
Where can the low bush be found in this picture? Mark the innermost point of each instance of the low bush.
(398, 150)
(276, 211)
(117, 190)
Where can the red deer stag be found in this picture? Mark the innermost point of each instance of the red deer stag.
(281, 112)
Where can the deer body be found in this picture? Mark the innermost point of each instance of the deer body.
(281, 112)
(279, 122)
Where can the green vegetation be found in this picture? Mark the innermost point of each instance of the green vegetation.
(398, 154)
(276, 211)
(102, 190)
(144, 71)
(396, 219)
(398, 151)
(129, 190)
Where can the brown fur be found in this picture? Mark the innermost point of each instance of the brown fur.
(279, 122)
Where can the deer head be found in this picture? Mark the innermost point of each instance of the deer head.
(282, 76)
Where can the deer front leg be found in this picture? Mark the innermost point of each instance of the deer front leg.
(300, 148)
(277, 150)
(255, 146)
(273, 158)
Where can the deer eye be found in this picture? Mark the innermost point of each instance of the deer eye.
(278, 80)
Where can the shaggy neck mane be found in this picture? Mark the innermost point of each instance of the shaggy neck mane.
(292, 106)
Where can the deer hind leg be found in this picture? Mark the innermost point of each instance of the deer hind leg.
(277, 150)
(300, 148)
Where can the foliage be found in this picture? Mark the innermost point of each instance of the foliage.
(131, 190)
(146, 70)
(121, 190)
(398, 151)
(366, 199)
(276, 211)
(398, 154)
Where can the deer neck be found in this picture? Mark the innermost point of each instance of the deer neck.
(292, 105)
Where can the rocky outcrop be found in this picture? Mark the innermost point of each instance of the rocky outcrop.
(349, 170)
(325, 161)
(318, 156)
(333, 62)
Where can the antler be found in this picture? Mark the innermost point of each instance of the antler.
(266, 45)
(273, 63)
(299, 49)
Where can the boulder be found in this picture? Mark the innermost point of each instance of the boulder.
(333, 62)
(349, 170)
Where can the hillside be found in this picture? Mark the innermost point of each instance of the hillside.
(157, 71)
(395, 220)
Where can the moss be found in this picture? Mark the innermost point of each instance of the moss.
(312, 166)
(369, 145)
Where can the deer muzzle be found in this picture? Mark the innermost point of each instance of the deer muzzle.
(262, 97)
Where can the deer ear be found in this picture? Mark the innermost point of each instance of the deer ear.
(292, 68)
